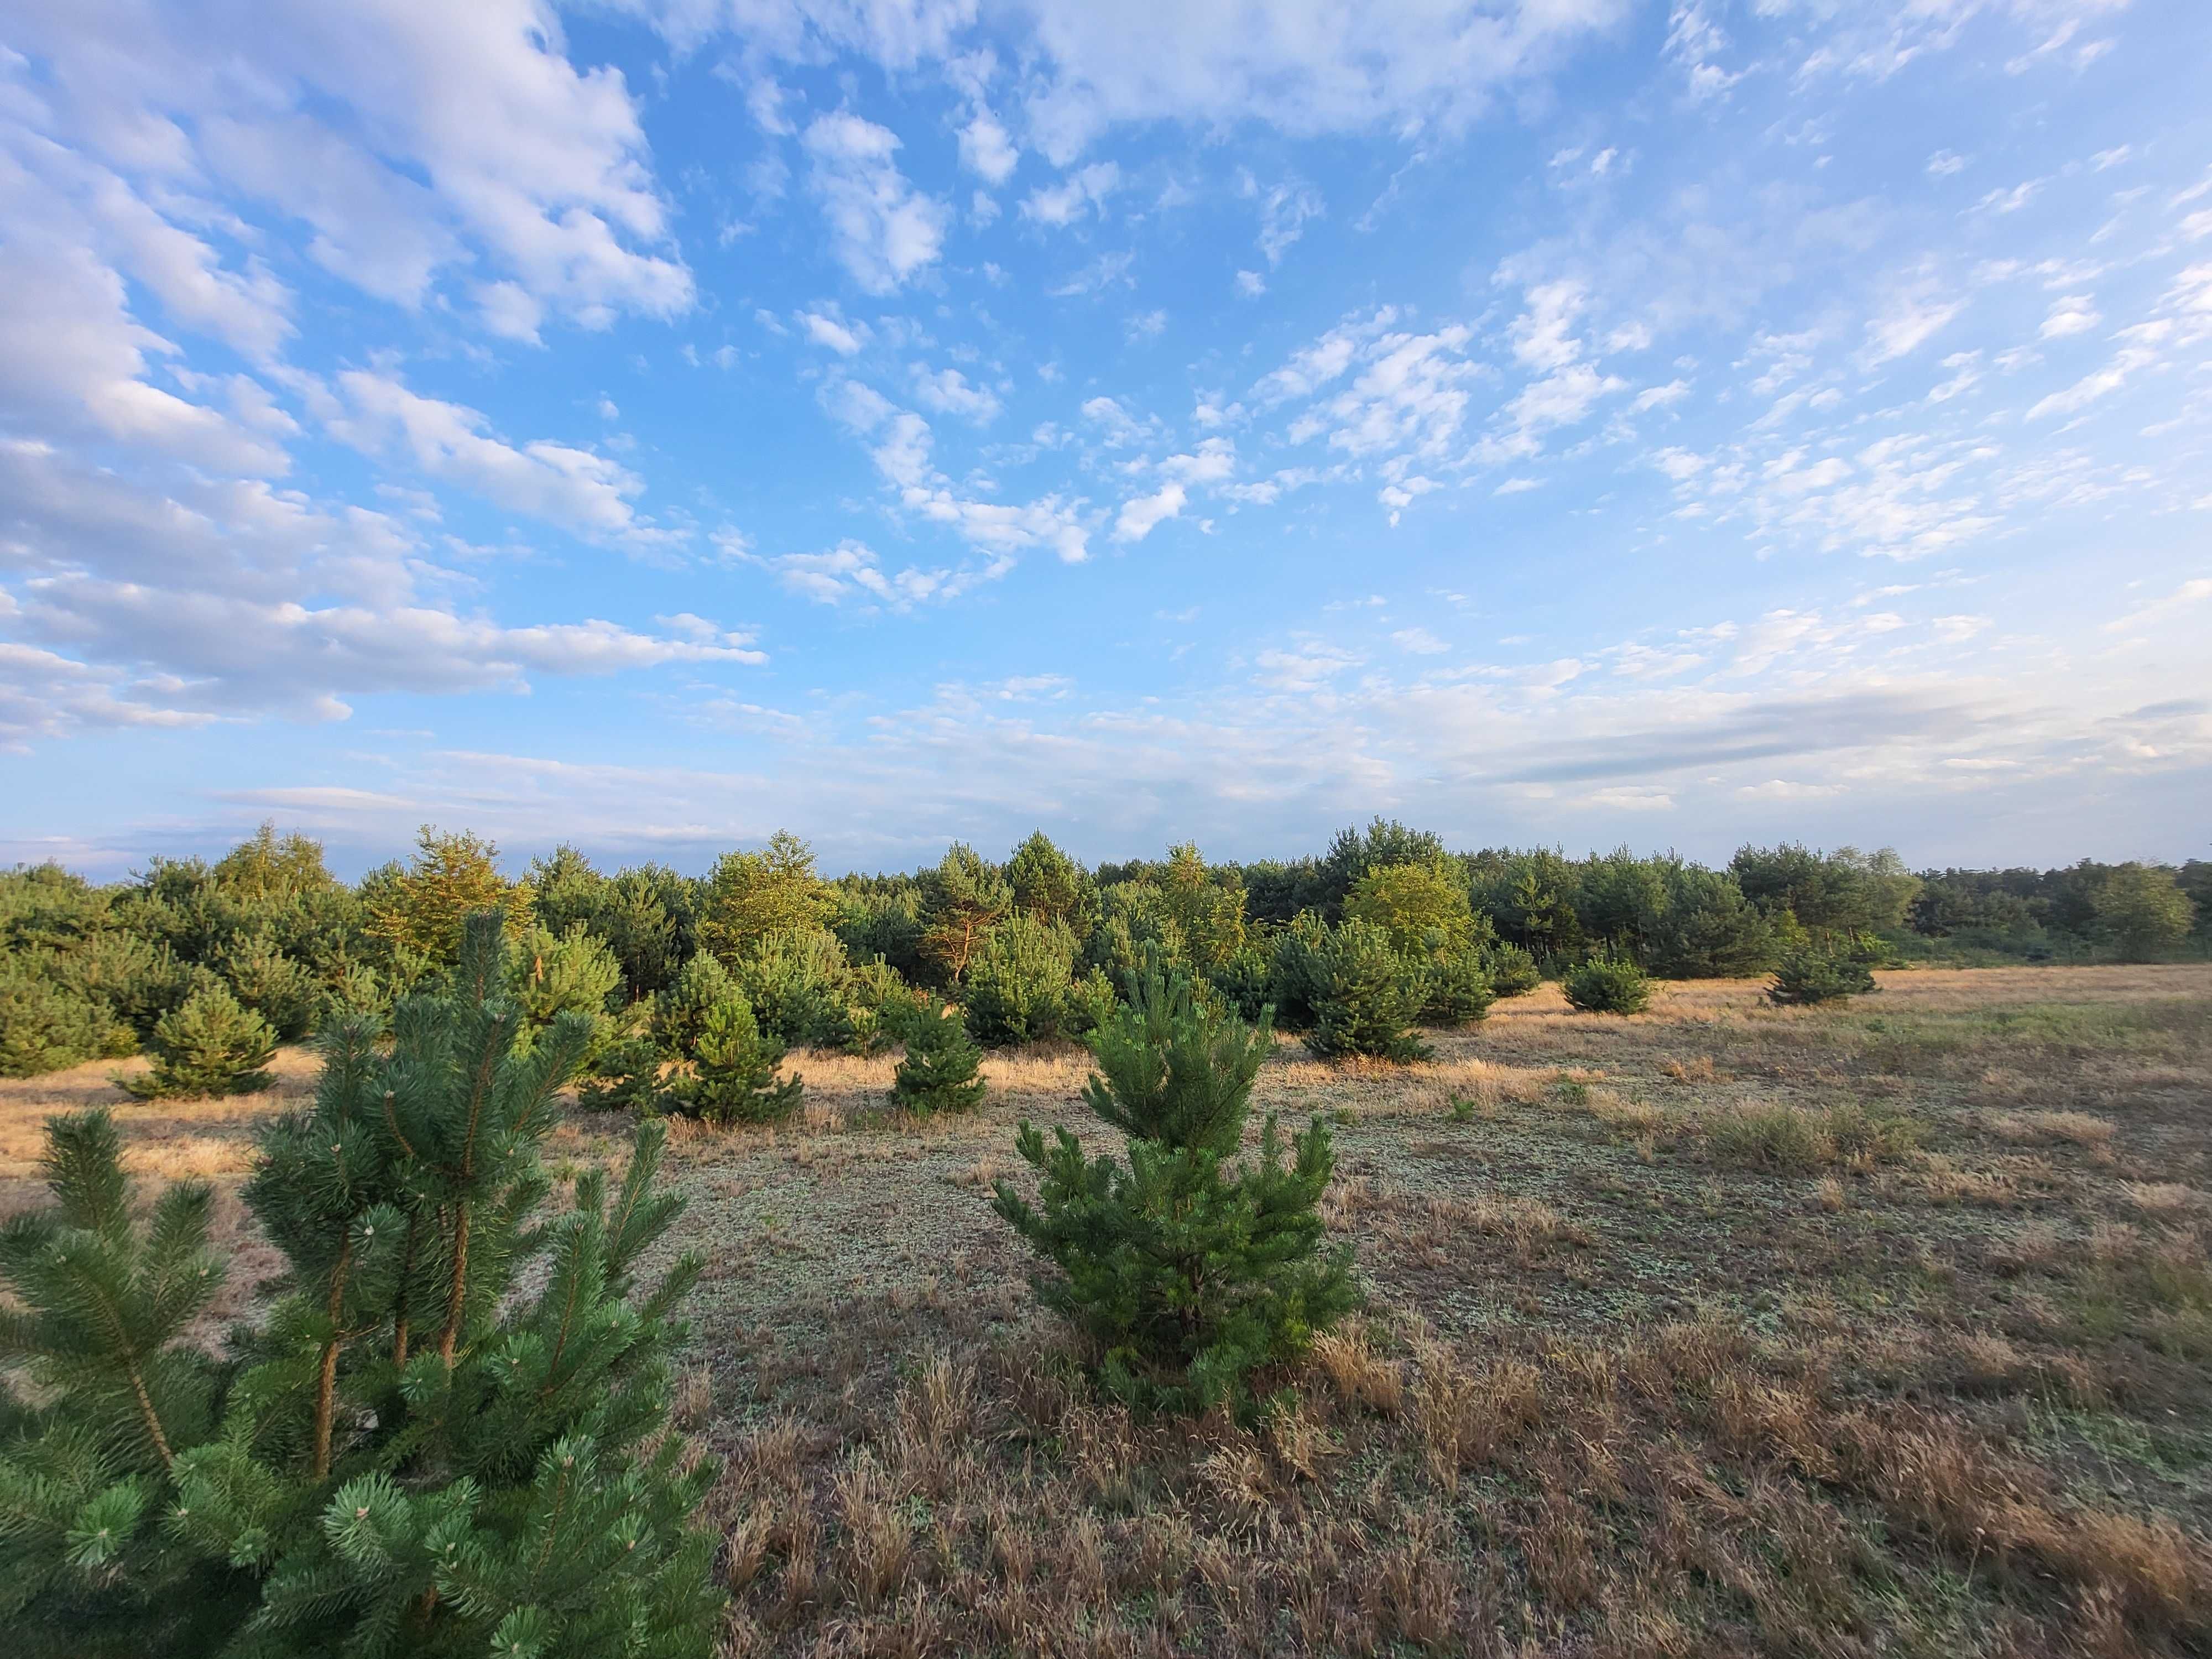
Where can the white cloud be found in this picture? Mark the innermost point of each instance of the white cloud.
(2075, 313)
(1140, 514)
(986, 149)
(828, 327)
(451, 442)
(1419, 642)
(1250, 284)
(1081, 192)
(882, 230)
(948, 392)
(1284, 211)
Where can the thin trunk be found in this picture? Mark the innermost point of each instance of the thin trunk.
(406, 1283)
(326, 1382)
(455, 1296)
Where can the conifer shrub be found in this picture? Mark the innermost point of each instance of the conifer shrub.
(940, 1072)
(1513, 972)
(1363, 993)
(680, 1012)
(1806, 975)
(276, 985)
(209, 1046)
(1184, 1269)
(1608, 985)
(1244, 981)
(550, 975)
(45, 1026)
(1017, 985)
(1458, 979)
(884, 1008)
(733, 1077)
(625, 1077)
(1091, 1000)
(404, 1451)
(799, 984)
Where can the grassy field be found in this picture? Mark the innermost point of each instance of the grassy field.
(1720, 1329)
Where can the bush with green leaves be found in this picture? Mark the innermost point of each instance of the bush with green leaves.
(1513, 972)
(1186, 1268)
(732, 1077)
(209, 1046)
(405, 1451)
(938, 1071)
(1017, 985)
(45, 1025)
(680, 1012)
(277, 986)
(1459, 988)
(1360, 994)
(799, 984)
(1608, 985)
(1805, 977)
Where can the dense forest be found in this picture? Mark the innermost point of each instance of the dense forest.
(211, 964)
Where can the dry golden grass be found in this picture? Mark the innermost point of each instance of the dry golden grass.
(1621, 1386)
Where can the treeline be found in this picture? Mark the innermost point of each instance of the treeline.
(1386, 931)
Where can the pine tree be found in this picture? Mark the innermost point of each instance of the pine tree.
(402, 1454)
(209, 1046)
(733, 1075)
(1184, 1275)
(939, 1071)
(964, 898)
(1361, 994)
(680, 1014)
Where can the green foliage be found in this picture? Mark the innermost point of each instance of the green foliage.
(272, 984)
(751, 895)
(680, 1014)
(1185, 1272)
(2142, 909)
(798, 985)
(1513, 972)
(209, 1046)
(626, 1077)
(1831, 895)
(962, 899)
(1805, 977)
(883, 924)
(1244, 981)
(1017, 987)
(45, 1026)
(1608, 985)
(420, 911)
(1361, 996)
(732, 1079)
(1459, 991)
(939, 1071)
(551, 975)
(402, 1452)
(1706, 928)
(1421, 906)
(1354, 854)
(1051, 886)
(1532, 899)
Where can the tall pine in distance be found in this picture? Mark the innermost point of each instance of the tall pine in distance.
(405, 1453)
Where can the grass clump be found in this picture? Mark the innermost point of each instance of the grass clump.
(1797, 1139)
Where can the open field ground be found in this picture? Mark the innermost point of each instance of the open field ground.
(1719, 1329)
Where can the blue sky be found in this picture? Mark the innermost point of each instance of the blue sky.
(650, 424)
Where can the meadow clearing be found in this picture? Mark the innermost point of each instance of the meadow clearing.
(1884, 1327)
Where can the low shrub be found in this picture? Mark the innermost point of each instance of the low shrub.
(1608, 985)
(1806, 976)
(1459, 988)
(45, 1026)
(210, 1046)
(1362, 994)
(733, 1077)
(939, 1073)
(1184, 1275)
(798, 985)
(1513, 971)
